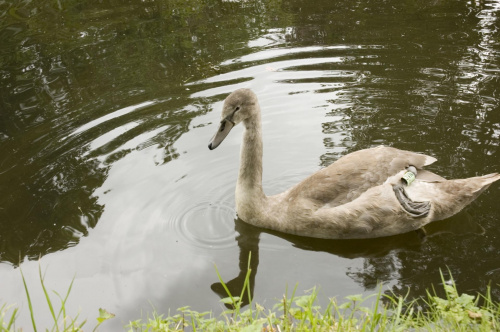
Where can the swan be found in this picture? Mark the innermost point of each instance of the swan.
(376, 192)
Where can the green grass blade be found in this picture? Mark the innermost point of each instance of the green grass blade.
(79, 328)
(63, 302)
(47, 298)
(376, 320)
(12, 319)
(224, 286)
(29, 301)
(247, 281)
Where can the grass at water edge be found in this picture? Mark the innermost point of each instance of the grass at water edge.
(454, 312)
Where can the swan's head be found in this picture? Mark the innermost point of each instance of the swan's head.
(238, 106)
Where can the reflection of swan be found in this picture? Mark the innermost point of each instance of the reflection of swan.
(361, 195)
(372, 250)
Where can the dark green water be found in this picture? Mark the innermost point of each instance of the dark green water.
(106, 109)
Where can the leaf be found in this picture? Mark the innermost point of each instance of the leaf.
(450, 291)
(256, 326)
(355, 298)
(345, 305)
(230, 300)
(302, 301)
(104, 315)
(466, 299)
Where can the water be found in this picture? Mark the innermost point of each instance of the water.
(107, 110)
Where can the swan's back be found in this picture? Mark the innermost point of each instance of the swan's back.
(353, 174)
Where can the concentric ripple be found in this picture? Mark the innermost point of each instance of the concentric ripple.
(208, 223)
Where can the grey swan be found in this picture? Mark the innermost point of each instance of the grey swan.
(369, 193)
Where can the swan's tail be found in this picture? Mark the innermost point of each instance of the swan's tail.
(481, 183)
(489, 178)
(460, 193)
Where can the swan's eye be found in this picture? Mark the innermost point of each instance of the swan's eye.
(237, 108)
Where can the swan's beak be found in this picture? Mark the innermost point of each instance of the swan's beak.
(224, 129)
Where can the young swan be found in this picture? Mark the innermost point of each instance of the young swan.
(361, 195)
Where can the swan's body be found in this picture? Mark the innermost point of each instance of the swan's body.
(352, 198)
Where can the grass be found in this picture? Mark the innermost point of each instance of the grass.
(301, 313)
(454, 312)
(62, 321)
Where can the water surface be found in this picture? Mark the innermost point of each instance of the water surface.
(107, 109)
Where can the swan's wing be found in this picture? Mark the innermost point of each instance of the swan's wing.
(350, 176)
(428, 176)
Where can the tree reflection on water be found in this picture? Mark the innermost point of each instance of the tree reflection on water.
(432, 75)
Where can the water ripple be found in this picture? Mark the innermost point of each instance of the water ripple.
(208, 222)
(208, 225)
(303, 51)
(113, 115)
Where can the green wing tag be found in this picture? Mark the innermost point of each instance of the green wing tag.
(409, 177)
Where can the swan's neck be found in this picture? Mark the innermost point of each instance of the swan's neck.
(250, 197)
